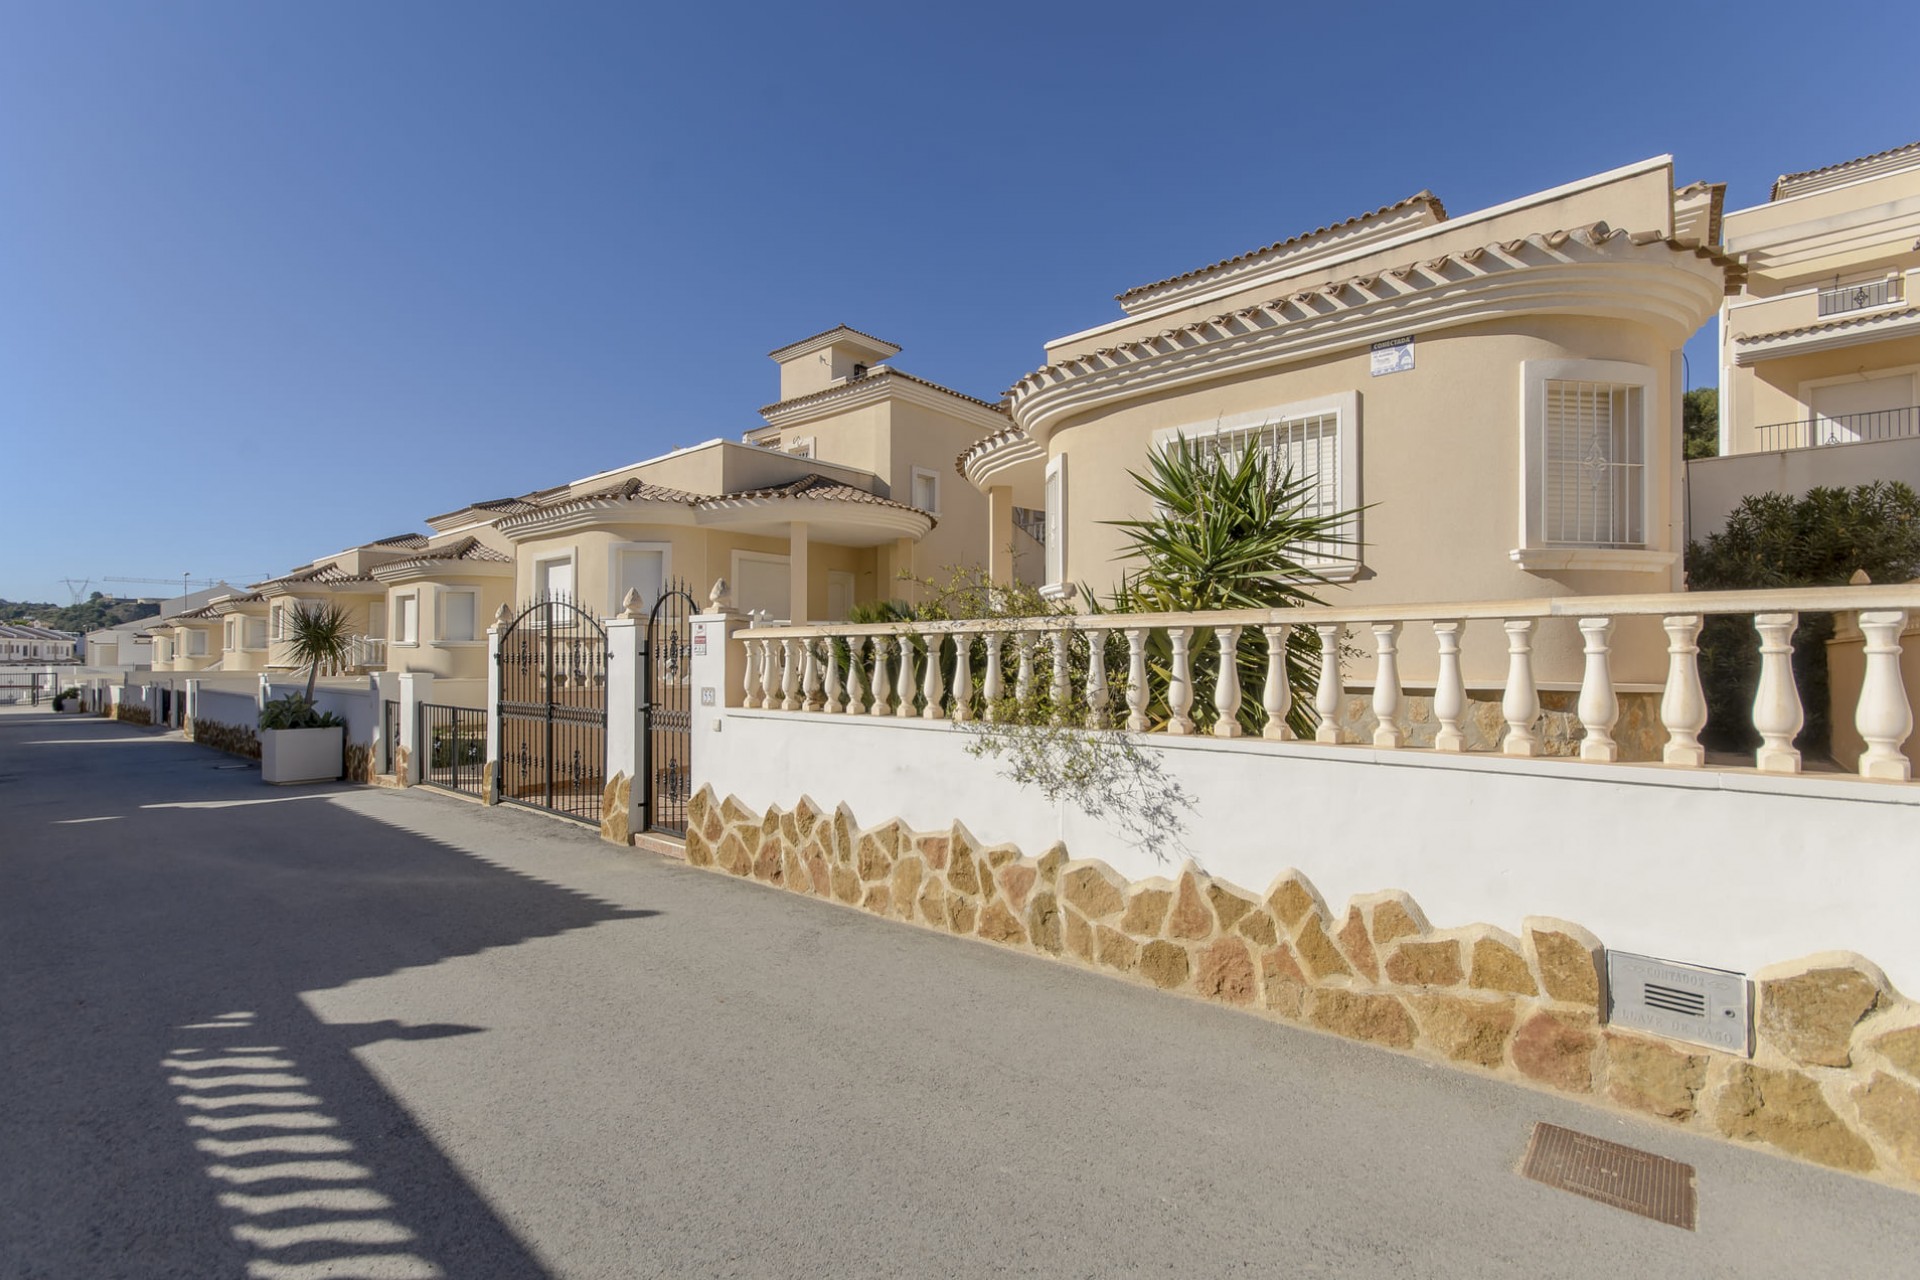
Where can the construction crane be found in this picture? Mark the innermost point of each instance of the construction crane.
(188, 582)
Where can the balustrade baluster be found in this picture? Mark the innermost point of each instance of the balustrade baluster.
(810, 676)
(1061, 692)
(750, 674)
(1276, 698)
(880, 686)
(1098, 696)
(933, 690)
(856, 693)
(1136, 680)
(1023, 677)
(1226, 687)
(992, 688)
(1331, 690)
(1521, 705)
(1180, 682)
(833, 675)
(1777, 714)
(906, 684)
(1884, 717)
(1386, 685)
(1683, 705)
(962, 677)
(1599, 709)
(790, 675)
(1449, 690)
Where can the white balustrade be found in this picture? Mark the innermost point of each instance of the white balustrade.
(1777, 715)
(1521, 706)
(1226, 688)
(1061, 692)
(992, 689)
(1386, 685)
(932, 691)
(1276, 699)
(1136, 680)
(833, 677)
(790, 675)
(880, 685)
(1180, 682)
(1449, 689)
(1098, 696)
(1683, 705)
(1599, 709)
(963, 678)
(1884, 717)
(903, 691)
(856, 693)
(1331, 690)
(804, 668)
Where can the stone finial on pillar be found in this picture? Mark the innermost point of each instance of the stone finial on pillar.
(720, 598)
(632, 606)
(502, 616)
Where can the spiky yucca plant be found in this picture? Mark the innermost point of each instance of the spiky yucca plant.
(1229, 531)
(318, 635)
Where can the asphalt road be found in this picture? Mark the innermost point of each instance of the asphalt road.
(291, 1033)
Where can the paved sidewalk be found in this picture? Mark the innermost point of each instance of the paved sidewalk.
(308, 1032)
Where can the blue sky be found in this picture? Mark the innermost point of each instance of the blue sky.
(276, 279)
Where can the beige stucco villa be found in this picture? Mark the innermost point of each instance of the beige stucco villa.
(1820, 350)
(842, 498)
(1499, 391)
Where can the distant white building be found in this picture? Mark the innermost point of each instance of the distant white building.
(22, 643)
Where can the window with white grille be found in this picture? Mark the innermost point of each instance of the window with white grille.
(1593, 480)
(1314, 441)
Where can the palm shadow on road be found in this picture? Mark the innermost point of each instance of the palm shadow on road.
(172, 1105)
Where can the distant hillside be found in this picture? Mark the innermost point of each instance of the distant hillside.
(92, 615)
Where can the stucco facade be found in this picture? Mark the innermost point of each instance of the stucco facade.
(1432, 358)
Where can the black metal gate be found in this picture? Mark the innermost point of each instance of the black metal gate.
(666, 689)
(455, 742)
(553, 710)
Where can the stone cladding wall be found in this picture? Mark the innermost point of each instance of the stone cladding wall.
(127, 713)
(1835, 1077)
(234, 739)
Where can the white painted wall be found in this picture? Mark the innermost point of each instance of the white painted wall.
(1724, 869)
(222, 706)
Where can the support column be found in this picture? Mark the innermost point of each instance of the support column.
(416, 687)
(624, 797)
(797, 574)
(490, 777)
(1000, 535)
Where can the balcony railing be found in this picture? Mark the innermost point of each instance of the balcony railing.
(1859, 297)
(1138, 672)
(364, 653)
(1845, 428)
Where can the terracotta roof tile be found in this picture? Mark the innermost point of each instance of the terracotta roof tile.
(815, 487)
(878, 375)
(1890, 152)
(401, 540)
(1828, 326)
(1421, 197)
(882, 342)
(325, 574)
(469, 549)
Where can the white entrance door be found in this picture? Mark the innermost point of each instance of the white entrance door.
(839, 595)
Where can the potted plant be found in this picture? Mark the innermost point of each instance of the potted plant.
(299, 742)
(68, 700)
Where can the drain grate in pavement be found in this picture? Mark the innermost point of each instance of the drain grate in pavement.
(1637, 1181)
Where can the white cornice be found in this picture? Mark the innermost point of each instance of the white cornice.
(588, 515)
(902, 522)
(839, 336)
(442, 570)
(1828, 337)
(1670, 290)
(1404, 240)
(994, 461)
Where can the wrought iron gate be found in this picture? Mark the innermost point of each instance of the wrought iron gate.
(666, 689)
(553, 710)
(454, 740)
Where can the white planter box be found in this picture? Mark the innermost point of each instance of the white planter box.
(302, 755)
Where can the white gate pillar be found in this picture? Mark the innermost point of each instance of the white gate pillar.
(416, 687)
(490, 777)
(386, 688)
(718, 670)
(626, 644)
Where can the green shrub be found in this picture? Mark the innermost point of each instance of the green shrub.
(297, 712)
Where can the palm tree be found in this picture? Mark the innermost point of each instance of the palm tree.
(1229, 531)
(318, 635)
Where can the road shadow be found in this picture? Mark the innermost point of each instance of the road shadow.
(171, 1105)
